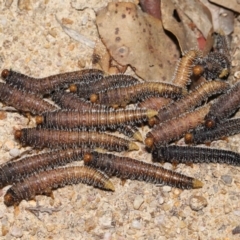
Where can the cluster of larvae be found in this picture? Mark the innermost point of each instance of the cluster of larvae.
(88, 102)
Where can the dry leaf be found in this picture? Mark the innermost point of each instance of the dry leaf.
(234, 5)
(137, 39)
(178, 27)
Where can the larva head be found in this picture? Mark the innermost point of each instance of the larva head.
(188, 138)
(39, 120)
(5, 73)
(18, 134)
(87, 158)
(198, 70)
(157, 154)
(9, 198)
(152, 121)
(151, 113)
(73, 88)
(149, 141)
(210, 123)
(196, 183)
(94, 98)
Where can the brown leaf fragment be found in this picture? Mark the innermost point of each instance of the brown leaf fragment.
(178, 24)
(137, 39)
(230, 4)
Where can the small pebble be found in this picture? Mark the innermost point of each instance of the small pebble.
(197, 202)
(167, 188)
(236, 213)
(138, 201)
(227, 179)
(160, 200)
(14, 152)
(136, 224)
(16, 232)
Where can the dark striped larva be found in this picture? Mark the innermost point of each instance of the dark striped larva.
(14, 171)
(23, 101)
(221, 44)
(227, 128)
(224, 106)
(128, 168)
(68, 100)
(101, 119)
(174, 128)
(184, 68)
(48, 84)
(45, 182)
(106, 83)
(125, 95)
(40, 138)
(187, 154)
(192, 100)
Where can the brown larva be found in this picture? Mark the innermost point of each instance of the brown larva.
(100, 119)
(68, 100)
(48, 84)
(131, 132)
(106, 83)
(186, 154)
(23, 101)
(184, 68)
(227, 128)
(224, 106)
(174, 128)
(40, 138)
(125, 95)
(192, 100)
(128, 168)
(45, 182)
(14, 171)
(154, 103)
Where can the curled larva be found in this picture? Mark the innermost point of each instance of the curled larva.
(202, 135)
(14, 171)
(40, 138)
(184, 68)
(65, 119)
(224, 106)
(44, 182)
(174, 128)
(125, 95)
(187, 154)
(191, 100)
(26, 102)
(48, 84)
(128, 168)
(106, 83)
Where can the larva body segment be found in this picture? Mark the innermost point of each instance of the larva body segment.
(93, 119)
(47, 84)
(44, 182)
(154, 103)
(192, 100)
(41, 138)
(14, 171)
(184, 68)
(106, 83)
(174, 128)
(68, 100)
(125, 95)
(23, 101)
(187, 154)
(131, 132)
(225, 105)
(128, 168)
(202, 135)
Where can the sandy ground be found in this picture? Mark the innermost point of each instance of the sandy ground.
(33, 42)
